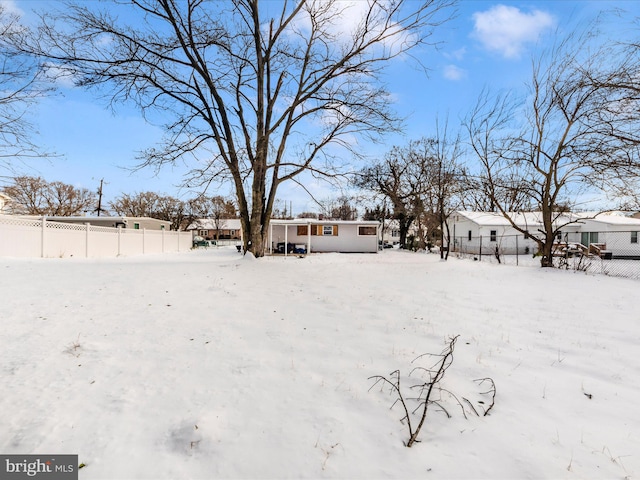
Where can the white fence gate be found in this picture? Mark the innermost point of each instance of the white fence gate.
(23, 237)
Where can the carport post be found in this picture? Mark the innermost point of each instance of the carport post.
(286, 241)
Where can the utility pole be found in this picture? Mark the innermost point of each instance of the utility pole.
(99, 209)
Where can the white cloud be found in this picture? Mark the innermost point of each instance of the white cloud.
(9, 6)
(507, 30)
(458, 54)
(62, 76)
(343, 18)
(452, 72)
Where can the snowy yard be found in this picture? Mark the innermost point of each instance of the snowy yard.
(208, 365)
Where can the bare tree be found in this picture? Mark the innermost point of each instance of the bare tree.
(401, 178)
(308, 215)
(340, 208)
(221, 210)
(20, 88)
(36, 196)
(254, 94)
(151, 204)
(446, 184)
(580, 133)
(423, 182)
(142, 204)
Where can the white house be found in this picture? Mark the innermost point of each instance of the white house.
(391, 232)
(482, 232)
(475, 232)
(613, 232)
(304, 235)
(221, 229)
(136, 223)
(4, 201)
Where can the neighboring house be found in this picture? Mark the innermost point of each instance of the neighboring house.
(472, 231)
(209, 229)
(4, 202)
(391, 232)
(611, 234)
(306, 235)
(136, 223)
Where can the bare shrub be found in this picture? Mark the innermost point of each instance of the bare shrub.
(430, 389)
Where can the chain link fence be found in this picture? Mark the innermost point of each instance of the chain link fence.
(608, 253)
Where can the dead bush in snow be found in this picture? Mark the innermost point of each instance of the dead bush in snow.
(430, 391)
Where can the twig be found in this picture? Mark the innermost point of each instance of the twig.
(492, 391)
(446, 361)
(471, 405)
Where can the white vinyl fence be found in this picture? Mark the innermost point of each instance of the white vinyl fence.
(22, 237)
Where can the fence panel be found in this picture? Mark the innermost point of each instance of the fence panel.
(22, 237)
(65, 240)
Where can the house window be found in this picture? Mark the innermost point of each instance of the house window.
(161, 227)
(232, 232)
(367, 230)
(329, 230)
(136, 226)
(493, 235)
(395, 233)
(203, 233)
(302, 230)
(469, 235)
(587, 238)
(634, 237)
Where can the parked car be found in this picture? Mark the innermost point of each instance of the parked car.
(291, 248)
(201, 242)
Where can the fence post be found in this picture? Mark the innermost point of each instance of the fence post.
(42, 235)
(86, 240)
(517, 251)
(480, 252)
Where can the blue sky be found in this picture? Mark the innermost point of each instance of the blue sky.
(489, 44)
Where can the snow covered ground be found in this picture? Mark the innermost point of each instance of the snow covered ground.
(209, 365)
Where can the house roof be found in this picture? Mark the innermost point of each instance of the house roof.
(211, 224)
(525, 219)
(88, 219)
(234, 223)
(313, 221)
(610, 218)
(533, 219)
